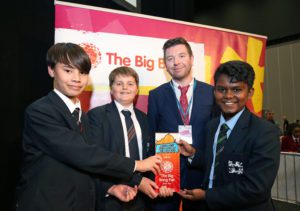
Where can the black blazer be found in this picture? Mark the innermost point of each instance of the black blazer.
(108, 132)
(59, 162)
(248, 166)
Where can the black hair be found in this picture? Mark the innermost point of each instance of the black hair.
(69, 54)
(237, 71)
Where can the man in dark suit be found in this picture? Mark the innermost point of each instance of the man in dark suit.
(166, 113)
(59, 162)
(109, 128)
(241, 161)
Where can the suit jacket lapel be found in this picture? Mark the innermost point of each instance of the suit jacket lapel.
(143, 129)
(115, 120)
(140, 120)
(196, 102)
(238, 132)
(84, 125)
(63, 109)
(172, 103)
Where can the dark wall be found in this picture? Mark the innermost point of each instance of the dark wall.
(174, 9)
(27, 32)
(277, 19)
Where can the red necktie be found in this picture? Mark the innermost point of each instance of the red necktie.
(184, 104)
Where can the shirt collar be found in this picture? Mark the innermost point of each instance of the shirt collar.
(232, 121)
(120, 107)
(71, 106)
(176, 85)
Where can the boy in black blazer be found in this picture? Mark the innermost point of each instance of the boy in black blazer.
(110, 130)
(240, 162)
(58, 160)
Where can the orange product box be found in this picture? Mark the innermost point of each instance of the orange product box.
(167, 148)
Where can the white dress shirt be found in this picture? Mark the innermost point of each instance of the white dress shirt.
(137, 128)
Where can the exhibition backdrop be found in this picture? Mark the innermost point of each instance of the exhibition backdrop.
(114, 38)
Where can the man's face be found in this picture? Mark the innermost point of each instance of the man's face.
(231, 97)
(68, 80)
(124, 89)
(178, 62)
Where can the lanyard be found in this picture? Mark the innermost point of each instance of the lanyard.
(183, 114)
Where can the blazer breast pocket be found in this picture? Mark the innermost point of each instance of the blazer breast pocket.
(236, 165)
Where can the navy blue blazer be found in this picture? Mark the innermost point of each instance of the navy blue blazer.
(164, 116)
(248, 166)
(59, 162)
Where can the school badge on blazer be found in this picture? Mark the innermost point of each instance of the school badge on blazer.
(235, 167)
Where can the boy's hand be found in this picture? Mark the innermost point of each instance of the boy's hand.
(149, 164)
(185, 148)
(148, 187)
(194, 194)
(124, 193)
(165, 192)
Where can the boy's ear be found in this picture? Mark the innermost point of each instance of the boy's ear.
(251, 92)
(50, 72)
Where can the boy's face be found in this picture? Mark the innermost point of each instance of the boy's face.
(178, 62)
(124, 89)
(68, 80)
(231, 97)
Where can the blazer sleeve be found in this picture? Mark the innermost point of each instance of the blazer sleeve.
(48, 130)
(259, 174)
(198, 160)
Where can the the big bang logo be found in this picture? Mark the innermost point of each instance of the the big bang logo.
(93, 52)
(115, 59)
(137, 61)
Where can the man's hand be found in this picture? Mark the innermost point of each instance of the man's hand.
(150, 164)
(148, 187)
(124, 193)
(194, 194)
(165, 192)
(185, 148)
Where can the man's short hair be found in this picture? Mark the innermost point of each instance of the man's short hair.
(69, 54)
(123, 70)
(237, 71)
(177, 41)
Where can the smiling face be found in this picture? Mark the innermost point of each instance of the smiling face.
(124, 89)
(68, 80)
(179, 63)
(231, 96)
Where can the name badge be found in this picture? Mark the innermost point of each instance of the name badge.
(185, 133)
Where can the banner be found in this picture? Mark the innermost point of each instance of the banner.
(114, 38)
